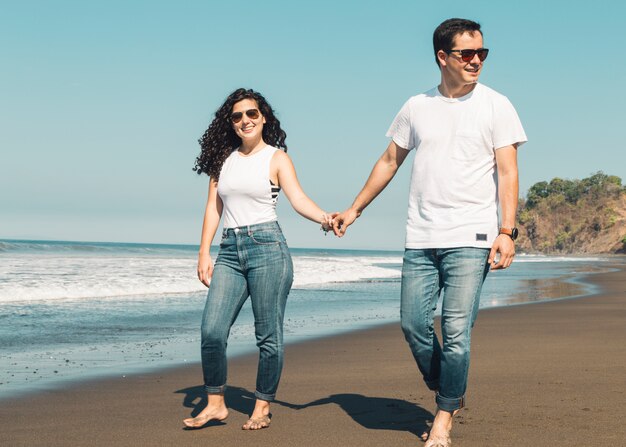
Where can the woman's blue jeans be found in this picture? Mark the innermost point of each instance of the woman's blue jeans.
(457, 274)
(252, 261)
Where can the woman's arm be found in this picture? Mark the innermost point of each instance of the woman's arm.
(212, 216)
(285, 173)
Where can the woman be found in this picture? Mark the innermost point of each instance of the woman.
(241, 154)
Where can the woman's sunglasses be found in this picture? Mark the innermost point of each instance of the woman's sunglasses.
(250, 113)
(468, 55)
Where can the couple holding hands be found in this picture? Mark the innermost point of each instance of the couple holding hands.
(465, 137)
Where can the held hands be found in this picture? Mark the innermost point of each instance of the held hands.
(343, 220)
(505, 246)
(205, 269)
(327, 222)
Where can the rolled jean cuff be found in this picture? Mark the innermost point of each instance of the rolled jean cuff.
(449, 404)
(215, 389)
(267, 397)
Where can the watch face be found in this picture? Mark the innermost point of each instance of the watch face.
(514, 233)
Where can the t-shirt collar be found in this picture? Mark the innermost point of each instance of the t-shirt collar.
(459, 99)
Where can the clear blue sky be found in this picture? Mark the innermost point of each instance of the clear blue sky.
(102, 103)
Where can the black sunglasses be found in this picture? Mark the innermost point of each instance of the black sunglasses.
(468, 55)
(250, 113)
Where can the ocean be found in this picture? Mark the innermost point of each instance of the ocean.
(77, 310)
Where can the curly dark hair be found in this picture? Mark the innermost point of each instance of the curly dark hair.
(220, 140)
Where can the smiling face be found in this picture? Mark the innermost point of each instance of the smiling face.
(455, 72)
(250, 130)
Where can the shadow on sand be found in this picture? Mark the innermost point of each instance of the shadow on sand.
(379, 413)
(373, 413)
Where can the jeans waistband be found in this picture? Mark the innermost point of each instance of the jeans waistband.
(249, 229)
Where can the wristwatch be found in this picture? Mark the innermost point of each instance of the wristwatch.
(510, 232)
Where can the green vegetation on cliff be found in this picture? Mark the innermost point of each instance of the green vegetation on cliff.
(574, 216)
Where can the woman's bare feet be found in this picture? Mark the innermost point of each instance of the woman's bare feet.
(214, 411)
(260, 417)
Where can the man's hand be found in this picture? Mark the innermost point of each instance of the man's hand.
(343, 220)
(505, 246)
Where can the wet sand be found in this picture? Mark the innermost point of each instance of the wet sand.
(542, 375)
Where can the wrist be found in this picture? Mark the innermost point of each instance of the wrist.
(356, 211)
(325, 223)
(511, 232)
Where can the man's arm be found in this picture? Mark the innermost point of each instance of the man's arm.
(508, 191)
(382, 173)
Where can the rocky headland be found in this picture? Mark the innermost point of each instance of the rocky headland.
(574, 216)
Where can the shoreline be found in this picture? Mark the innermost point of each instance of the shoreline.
(547, 374)
(573, 286)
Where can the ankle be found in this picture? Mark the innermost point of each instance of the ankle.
(261, 407)
(443, 420)
(216, 401)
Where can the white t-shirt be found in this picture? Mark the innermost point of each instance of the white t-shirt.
(453, 195)
(247, 193)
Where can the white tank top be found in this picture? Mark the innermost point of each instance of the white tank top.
(247, 193)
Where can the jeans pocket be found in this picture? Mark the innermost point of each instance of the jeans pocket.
(266, 237)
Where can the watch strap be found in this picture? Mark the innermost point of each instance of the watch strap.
(510, 232)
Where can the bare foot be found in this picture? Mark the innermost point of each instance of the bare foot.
(257, 423)
(260, 417)
(205, 416)
(439, 435)
(438, 441)
(443, 427)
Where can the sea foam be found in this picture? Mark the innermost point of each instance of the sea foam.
(30, 277)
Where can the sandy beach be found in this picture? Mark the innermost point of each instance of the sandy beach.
(547, 374)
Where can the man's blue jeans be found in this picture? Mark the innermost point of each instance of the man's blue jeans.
(458, 275)
(253, 261)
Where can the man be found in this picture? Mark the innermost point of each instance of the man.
(465, 137)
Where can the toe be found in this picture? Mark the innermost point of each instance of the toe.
(191, 422)
(256, 424)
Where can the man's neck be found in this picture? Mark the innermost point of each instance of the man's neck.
(450, 90)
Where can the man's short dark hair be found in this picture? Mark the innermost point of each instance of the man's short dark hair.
(443, 37)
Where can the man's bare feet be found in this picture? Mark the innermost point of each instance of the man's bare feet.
(439, 435)
(214, 411)
(257, 423)
(438, 441)
(260, 417)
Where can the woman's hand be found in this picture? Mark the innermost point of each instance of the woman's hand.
(327, 221)
(205, 268)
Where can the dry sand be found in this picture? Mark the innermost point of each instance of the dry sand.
(548, 374)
